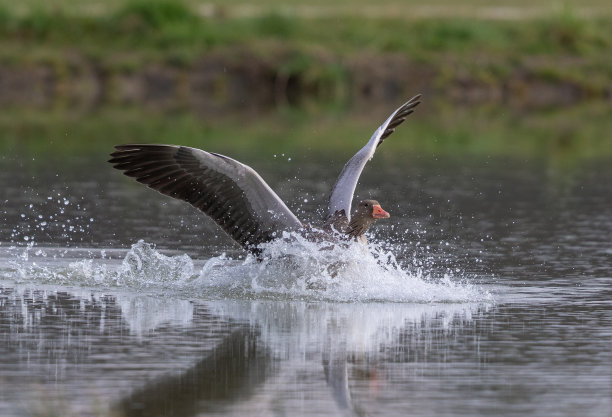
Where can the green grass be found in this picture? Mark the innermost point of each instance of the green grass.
(166, 25)
(138, 33)
(407, 8)
(558, 47)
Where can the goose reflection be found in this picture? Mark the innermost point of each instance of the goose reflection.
(223, 357)
(279, 345)
(227, 374)
(335, 367)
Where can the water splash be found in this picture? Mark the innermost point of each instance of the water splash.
(65, 219)
(296, 268)
(292, 268)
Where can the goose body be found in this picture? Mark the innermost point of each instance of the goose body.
(236, 197)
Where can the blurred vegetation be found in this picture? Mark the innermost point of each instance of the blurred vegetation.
(382, 7)
(158, 29)
(556, 135)
(566, 46)
(560, 48)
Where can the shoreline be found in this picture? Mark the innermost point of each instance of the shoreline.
(168, 55)
(240, 79)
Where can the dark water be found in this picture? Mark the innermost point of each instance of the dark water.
(488, 292)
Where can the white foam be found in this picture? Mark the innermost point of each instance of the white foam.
(292, 268)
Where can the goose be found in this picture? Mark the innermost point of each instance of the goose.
(237, 198)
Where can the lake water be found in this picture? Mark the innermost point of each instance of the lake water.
(487, 292)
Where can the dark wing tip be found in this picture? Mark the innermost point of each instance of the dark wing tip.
(127, 150)
(400, 115)
(408, 107)
(416, 97)
(414, 101)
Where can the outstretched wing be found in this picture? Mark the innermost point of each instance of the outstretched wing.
(342, 192)
(231, 193)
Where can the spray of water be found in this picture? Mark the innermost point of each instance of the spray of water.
(292, 268)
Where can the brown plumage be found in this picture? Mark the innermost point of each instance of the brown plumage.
(239, 200)
(366, 213)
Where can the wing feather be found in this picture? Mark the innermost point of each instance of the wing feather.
(231, 193)
(342, 192)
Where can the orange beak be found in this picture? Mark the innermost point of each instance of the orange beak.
(379, 213)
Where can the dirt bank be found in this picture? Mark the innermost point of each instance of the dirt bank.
(241, 79)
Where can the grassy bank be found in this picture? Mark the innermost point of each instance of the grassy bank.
(163, 28)
(509, 9)
(315, 54)
(77, 77)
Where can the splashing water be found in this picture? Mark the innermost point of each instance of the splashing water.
(298, 268)
(292, 268)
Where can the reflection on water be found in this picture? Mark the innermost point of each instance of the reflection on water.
(77, 352)
(207, 357)
(234, 368)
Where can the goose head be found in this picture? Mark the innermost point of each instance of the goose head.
(366, 213)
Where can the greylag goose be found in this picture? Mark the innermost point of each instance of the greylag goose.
(239, 200)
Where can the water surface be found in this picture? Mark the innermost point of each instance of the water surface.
(487, 292)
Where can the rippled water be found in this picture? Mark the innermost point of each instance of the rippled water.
(488, 292)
